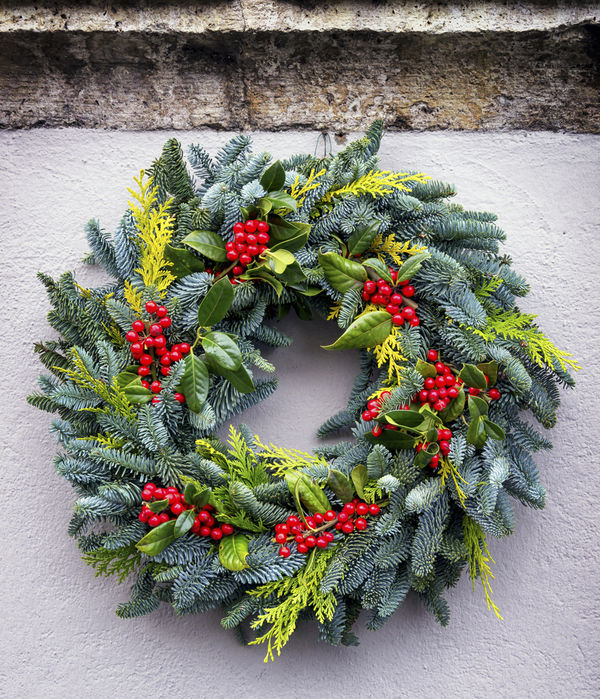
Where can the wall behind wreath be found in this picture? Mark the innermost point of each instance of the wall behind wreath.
(59, 636)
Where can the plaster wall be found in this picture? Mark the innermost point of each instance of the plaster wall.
(59, 636)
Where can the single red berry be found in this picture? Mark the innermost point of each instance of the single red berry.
(238, 227)
(330, 515)
(377, 430)
(196, 526)
(184, 348)
(439, 367)
(240, 239)
(154, 521)
(175, 356)
(440, 380)
(439, 405)
(310, 541)
(284, 552)
(452, 393)
(322, 542)
(310, 523)
(408, 290)
(292, 520)
(145, 384)
(262, 227)
(250, 226)
(398, 319)
(350, 508)
(433, 396)
(155, 329)
(161, 311)
(280, 538)
(365, 296)
(302, 548)
(474, 391)
(245, 259)
(164, 517)
(205, 530)
(338, 526)
(165, 360)
(449, 379)
(348, 527)
(415, 322)
(232, 255)
(444, 446)
(155, 400)
(282, 528)
(179, 397)
(251, 239)
(241, 247)
(424, 395)
(132, 336)
(319, 518)
(216, 534)
(149, 341)
(155, 387)
(361, 524)
(429, 383)
(145, 514)
(160, 341)
(342, 516)
(160, 351)
(362, 508)
(147, 494)
(494, 393)
(237, 270)
(227, 529)
(138, 326)
(151, 307)
(370, 287)
(432, 355)
(230, 245)
(177, 508)
(299, 538)
(394, 274)
(396, 299)
(366, 416)
(146, 360)
(253, 250)
(261, 249)
(136, 348)
(435, 460)
(408, 312)
(391, 309)
(374, 509)
(262, 238)
(328, 536)
(143, 371)
(165, 322)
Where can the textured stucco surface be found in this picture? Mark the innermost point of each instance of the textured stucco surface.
(59, 636)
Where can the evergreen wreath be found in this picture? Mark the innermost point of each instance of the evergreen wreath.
(151, 364)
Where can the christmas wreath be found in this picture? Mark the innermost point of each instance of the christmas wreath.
(150, 365)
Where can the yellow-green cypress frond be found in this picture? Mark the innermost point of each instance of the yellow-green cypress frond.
(479, 559)
(487, 288)
(394, 248)
(377, 183)
(447, 468)
(132, 296)
(282, 460)
(121, 562)
(296, 594)
(299, 192)
(388, 353)
(155, 226)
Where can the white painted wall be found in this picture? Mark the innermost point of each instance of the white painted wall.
(58, 634)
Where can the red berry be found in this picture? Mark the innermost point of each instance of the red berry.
(432, 355)
(338, 526)
(310, 541)
(196, 526)
(237, 270)
(250, 226)
(143, 371)
(253, 250)
(452, 393)
(177, 508)
(439, 405)
(366, 416)
(377, 430)
(165, 360)
(408, 312)
(179, 397)
(408, 291)
(136, 348)
(449, 379)
(398, 319)
(160, 351)
(146, 494)
(230, 245)
(474, 391)
(154, 521)
(232, 255)
(216, 534)
(145, 384)
(227, 529)
(280, 538)
(146, 360)
(149, 341)
(284, 552)
(160, 342)
(175, 356)
(165, 322)
(433, 396)
(262, 238)
(262, 227)
(350, 508)
(155, 329)
(440, 380)
(494, 393)
(302, 548)
(330, 515)
(138, 326)
(396, 299)
(238, 227)
(348, 527)
(164, 517)
(394, 274)
(424, 395)
(282, 528)
(245, 259)
(262, 248)
(439, 367)
(374, 509)
(361, 524)
(161, 311)
(415, 322)
(155, 387)
(151, 307)
(299, 538)
(370, 287)
(310, 523)
(322, 543)
(342, 516)
(251, 239)
(328, 536)
(319, 518)
(184, 348)
(429, 383)
(132, 336)
(362, 508)
(205, 530)
(435, 460)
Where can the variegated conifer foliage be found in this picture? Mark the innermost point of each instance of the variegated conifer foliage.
(335, 222)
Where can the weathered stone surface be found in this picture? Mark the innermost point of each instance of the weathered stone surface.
(276, 65)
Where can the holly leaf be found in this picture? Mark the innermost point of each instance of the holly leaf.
(362, 238)
(412, 266)
(294, 243)
(157, 539)
(194, 382)
(490, 369)
(233, 550)
(131, 385)
(426, 369)
(308, 492)
(476, 432)
(477, 406)
(183, 262)
(403, 418)
(393, 439)
(341, 273)
(454, 409)
(273, 178)
(240, 378)
(184, 523)
(262, 274)
(222, 350)
(279, 200)
(341, 485)
(158, 505)
(423, 457)
(366, 331)
(208, 244)
(360, 477)
(377, 265)
(493, 430)
(279, 260)
(216, 303)
(472, 376)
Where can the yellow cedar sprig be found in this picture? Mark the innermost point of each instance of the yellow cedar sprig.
(388, 353)
(282, 460)
(447, 468)
(394, 248)
(377, 183)
(296, 594)
(299, 192)
(155, 230)
(479, 559)
(132, 296)
(334, 311)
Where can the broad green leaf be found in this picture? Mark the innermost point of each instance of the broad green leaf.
(404, 418)
(184, 523)
(280, 229)
(233, 550)
(202, 498)
(240, 378)
(341, 273)
(311, 291)
(477, 406)
(393, 439)
(222, 350)
(412, 266)
(455, 408)
(377, 265)
(194, 383)
(183, 261)
(215, 304)
(191, 490)
(294, 243)
(264, 206)
(476, 432)
(426, 369)
(262, 274)
(431, 434)
(366, 331)
(208, 244)
(158, 505)
(279, 260)
(490, 369)
(360, 477)
(157, 539)
(309, 492)
(423, 457)
(473, 377)
(131, 385)
(280, 200)
(493, 430)
(341, 485)
(273, 178)
(128, 376)
(362, 238)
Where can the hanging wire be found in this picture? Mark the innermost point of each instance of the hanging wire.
(324, 136)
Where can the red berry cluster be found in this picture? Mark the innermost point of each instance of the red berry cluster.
(443, 438)
(250, 240)
(439, 391)
(150, 348)
(314, 530)
(373, 410)
(380, 293)
(204, 524)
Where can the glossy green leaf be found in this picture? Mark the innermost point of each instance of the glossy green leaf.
(184, 523)
(216, 303)
(341, 273)
(294, 243)
(128, 376)
(392, 439)
(490, 369)
(476, 432)
(273, 178)
(195, 382)
(208, 244)
(473, 377)
(157, 539)
(378, 266)
(493, 430)
(240, 378)
(362, 238)
(366, 331)
(412, 266)
(360, 477)
(423, 457)
(264, 206)
(222, 350)
(404, 418)
(260, 273)
(341, 485)
(131, 385)
(183, 262)
(477, 406)
(280, 200)
(233, 550)
(309, 492)
(158, 505)
(454, 409)
(278, 260)
(426, 369)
